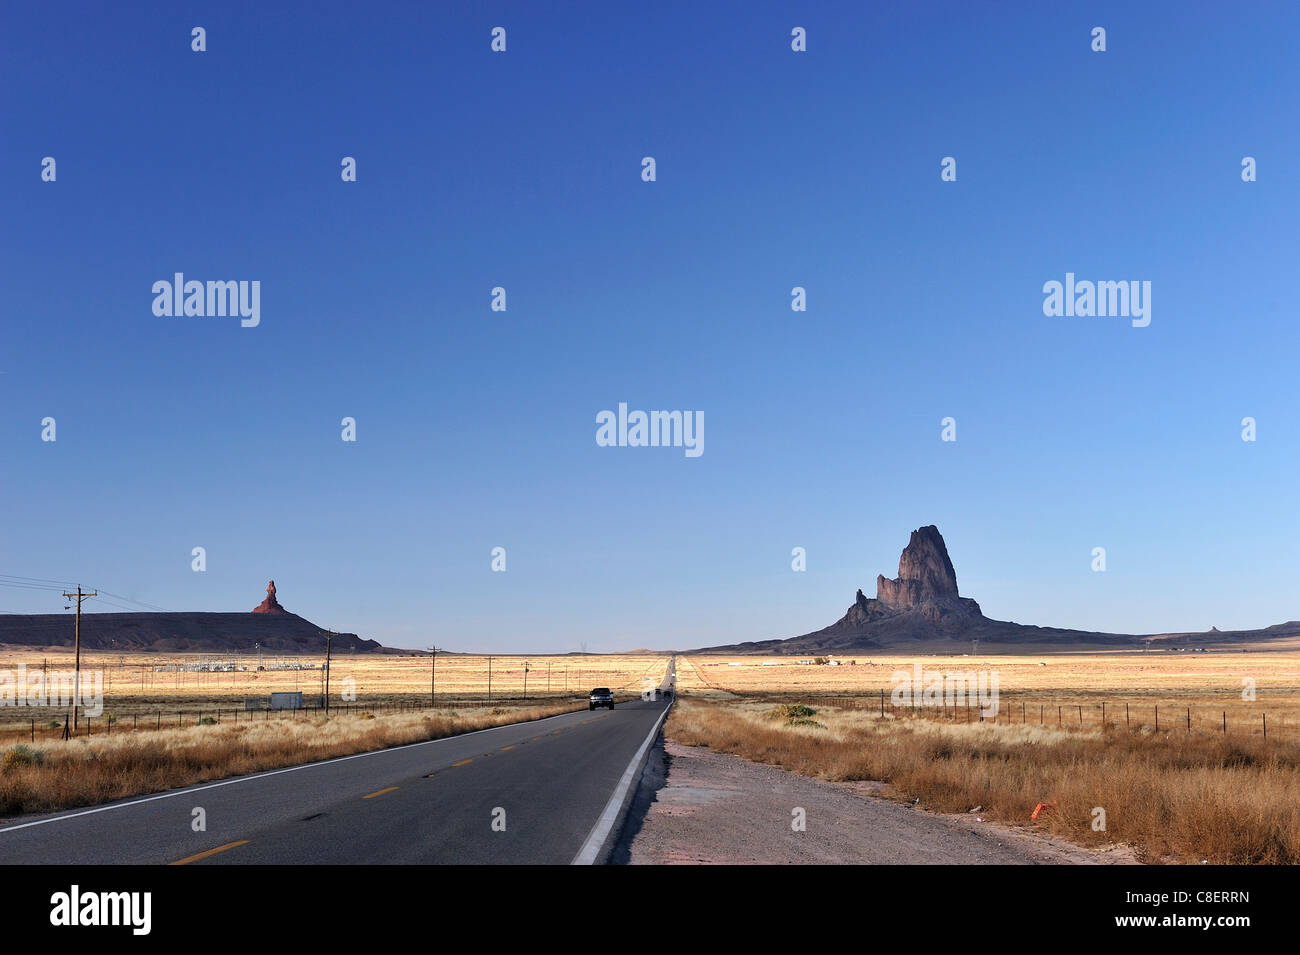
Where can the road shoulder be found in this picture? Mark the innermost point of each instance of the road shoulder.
(703, 807)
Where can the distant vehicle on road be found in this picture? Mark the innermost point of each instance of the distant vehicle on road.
(600, 696)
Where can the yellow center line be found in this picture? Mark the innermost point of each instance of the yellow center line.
(504, 748)
(462, 762)
(211, 852)
(536, 738)
(380, 793)
(429, 776)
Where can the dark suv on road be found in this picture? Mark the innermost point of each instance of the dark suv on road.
(600, 696)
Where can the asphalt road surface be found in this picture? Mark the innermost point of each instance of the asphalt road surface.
(530, 793)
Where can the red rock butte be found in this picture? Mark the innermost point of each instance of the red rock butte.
(270, 604)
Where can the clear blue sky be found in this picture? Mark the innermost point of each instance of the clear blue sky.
(775, 169)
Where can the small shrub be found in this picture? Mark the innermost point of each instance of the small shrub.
(23, 755)
(790, 712)
(207, 721)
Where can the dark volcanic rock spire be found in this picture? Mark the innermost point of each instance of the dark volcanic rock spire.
(924, 573)
(924, 592)
(922, 606)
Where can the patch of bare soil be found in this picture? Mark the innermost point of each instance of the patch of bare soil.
(718, 809)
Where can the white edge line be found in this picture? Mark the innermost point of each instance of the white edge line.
(272, 772)
(600, 831)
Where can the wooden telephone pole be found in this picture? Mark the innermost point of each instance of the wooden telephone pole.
(76, 691)
(433, 676)
(329, 639)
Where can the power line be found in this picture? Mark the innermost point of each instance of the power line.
(40, 580)
(18, 586)
(139, 603)
(18, 582)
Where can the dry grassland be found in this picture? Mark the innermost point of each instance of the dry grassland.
(1174, 795)
(137, 694)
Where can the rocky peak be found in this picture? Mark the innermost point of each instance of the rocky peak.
(925, 573)
(925, 589)
(270, 604)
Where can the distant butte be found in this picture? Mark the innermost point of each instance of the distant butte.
(270, 604)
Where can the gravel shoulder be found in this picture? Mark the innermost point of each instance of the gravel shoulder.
(718, 809)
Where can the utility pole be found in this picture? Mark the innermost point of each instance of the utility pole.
(433, 680)
(329, 640)
(76, 692)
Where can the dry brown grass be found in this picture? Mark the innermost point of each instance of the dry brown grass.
(84, 771)
(135, 692)
(1033, 687)
(1173, 797)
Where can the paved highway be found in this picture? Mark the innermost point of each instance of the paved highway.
(530, 793)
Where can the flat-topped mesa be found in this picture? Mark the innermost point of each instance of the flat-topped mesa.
(270, 604)
(925, 573)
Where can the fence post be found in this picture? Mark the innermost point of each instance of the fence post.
(1225, 722)
(1080, 714)
(1058, 716)
(1264, 715)
(1040, 714)
(1189, 719)
(33, 731)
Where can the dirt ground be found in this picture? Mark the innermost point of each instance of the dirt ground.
(718, 809)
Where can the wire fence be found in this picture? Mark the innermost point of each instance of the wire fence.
(46, 724)
(56, 725)
(31, 722)
(1245, 718)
